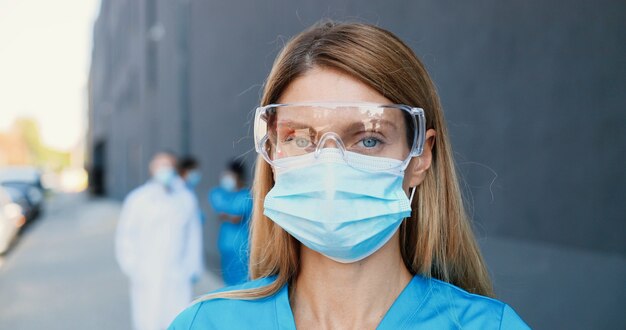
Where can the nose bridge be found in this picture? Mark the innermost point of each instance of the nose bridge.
(332, 139)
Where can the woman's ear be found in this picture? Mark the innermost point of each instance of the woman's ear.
(416, 171)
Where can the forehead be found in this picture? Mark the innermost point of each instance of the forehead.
(162, 160)
(329, 85)
(321, 119)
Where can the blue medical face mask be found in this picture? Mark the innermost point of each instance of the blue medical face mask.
(165, 175)
(193, 178)
(340, 211)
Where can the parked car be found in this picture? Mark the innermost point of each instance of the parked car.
(27, 196)
(11, 219)
(27, 180)
(26, 174)
(20, 197)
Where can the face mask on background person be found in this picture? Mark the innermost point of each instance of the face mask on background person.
(335, 209)
(228, 182)
(165, 175)
(193, 178)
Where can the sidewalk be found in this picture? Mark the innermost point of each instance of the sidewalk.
(62, 273)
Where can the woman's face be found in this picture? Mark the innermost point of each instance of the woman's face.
(329, 85)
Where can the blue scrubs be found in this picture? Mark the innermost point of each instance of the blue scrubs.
(233, 238)
(424, 304)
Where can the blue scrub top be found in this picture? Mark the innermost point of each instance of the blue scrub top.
(232, 243)
(233, 238)
(231, 202)
(424, 303)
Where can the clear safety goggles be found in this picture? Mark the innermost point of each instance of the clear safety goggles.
(395, 131)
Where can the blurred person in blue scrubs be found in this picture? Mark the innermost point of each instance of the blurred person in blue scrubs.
(358, 219)
(158, 245)
(232, 202)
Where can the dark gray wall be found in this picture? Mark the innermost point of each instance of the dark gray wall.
(135, 88)
(533, 93)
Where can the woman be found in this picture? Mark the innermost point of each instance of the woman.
(358, 220)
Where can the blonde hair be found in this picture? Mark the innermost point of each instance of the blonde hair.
(437, 240)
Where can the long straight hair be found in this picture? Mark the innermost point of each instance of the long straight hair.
(437, 240)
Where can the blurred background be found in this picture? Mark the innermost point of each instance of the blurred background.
(534, 93)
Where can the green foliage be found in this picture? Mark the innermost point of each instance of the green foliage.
(40, 154)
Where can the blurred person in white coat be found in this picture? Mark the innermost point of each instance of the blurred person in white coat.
(158, 245)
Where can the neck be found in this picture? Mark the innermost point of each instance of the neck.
(357, 295)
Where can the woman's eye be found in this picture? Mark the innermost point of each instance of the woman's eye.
(370, 142)
(302, 142)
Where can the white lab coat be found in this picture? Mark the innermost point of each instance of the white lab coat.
(159, 247)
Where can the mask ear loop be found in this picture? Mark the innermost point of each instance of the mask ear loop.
(412, 193)
(419, 161)
(411, 201)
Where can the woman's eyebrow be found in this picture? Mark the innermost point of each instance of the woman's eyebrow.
(292, 124)
(351, 127)
(375, 123)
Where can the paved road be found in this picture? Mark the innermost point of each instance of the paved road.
(62, 272)
(62, 275)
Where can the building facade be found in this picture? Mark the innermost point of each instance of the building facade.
(533, 95)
